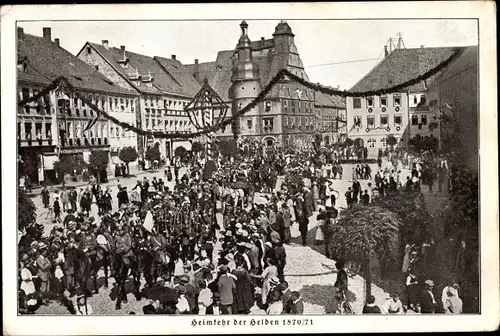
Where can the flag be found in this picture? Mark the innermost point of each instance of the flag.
(148, 221)
(90, 124)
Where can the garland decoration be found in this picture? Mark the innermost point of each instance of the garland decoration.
(383, 91)
(62, 83)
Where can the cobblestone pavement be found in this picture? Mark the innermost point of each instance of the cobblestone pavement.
(307, 271)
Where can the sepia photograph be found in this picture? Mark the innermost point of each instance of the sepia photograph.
(268, 168)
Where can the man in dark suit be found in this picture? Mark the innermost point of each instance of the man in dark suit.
(226, 287)
(297, 306)
(285, 297)
(427, 301)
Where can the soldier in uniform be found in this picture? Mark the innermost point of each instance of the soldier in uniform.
(157, 244)
(123, 244)
(88, 243)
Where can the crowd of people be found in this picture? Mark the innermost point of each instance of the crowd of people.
(215, 243)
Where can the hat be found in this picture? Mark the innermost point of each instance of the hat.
(34, 244)
(275, 280)
(228, 234)
(223, 268)
(244, 233)
(230, 256)
(159, 279)
(239, 226)
(429, 283)
(42, 245)
(268, 244)
(184, 278)
(239, 232)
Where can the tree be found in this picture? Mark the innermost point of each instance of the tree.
(180, 152)
(26, 210)
(362, 233)
(196, 147)
(228, 147)
(127, 155)
(348, 142)
(98, 161)
(153, 153)
(27, 166)
(67, 164)
(415, 218)
(392, 141)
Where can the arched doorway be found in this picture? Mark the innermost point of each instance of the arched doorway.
(359, 143)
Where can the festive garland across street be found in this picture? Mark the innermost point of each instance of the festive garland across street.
(63, 84)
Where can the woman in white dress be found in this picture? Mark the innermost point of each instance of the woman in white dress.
(269, 272)
(27, 284)
(275, 304)
(320, 237)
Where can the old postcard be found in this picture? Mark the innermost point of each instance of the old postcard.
(249, 168)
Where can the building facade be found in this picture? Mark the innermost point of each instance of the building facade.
(329, 109)
(163, 92)
(57, 124)
(403, 115)
(287, 116)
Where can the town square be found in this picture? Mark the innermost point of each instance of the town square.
(252, 183)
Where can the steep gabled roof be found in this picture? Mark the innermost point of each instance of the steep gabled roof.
(218, 73)
(187, 85)
(52, 61)
(324, 100)
(166, 77)
(402, 65)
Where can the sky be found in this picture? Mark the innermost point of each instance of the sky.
(356, 46)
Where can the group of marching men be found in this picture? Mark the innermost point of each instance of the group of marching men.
(205, 231)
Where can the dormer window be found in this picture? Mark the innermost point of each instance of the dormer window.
(89, 50)
(22, 65)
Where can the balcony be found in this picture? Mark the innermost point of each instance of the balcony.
(78, 144)
(35, 142)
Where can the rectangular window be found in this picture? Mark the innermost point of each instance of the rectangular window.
(369, 102)
(285, 121)
(371, 142)
(48, 130)
(423, 120)
(423, 100)
(356, 103)
(397, 100)
(370, 121)
(112, 129)
(384, 121)
(26, 95)
(384, 142)
(414, 120)
(357, 121)
(27, 131)
(268, 124)
(397, 121)
(249, 124)
(383, 101)
(415, 100)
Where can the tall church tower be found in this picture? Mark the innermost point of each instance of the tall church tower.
(245, 87)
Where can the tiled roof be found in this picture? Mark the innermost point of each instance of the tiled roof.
(51, 61)
(402, 65)
(218, 73)
(187, 85)
(142, 64)
(321, 99)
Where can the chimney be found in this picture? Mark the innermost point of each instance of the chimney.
(122, 48)
(386, 52)
(105, 43)
(421, 46)
(56, 41)
(20, 33)
(262, 40)
(174, 57)
(46, 33)
(196, 75)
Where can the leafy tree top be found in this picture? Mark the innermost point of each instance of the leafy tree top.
(196, 147)
(128, 154)
(99, 159)
(26, 210)
(153, 153)
(363, 232)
